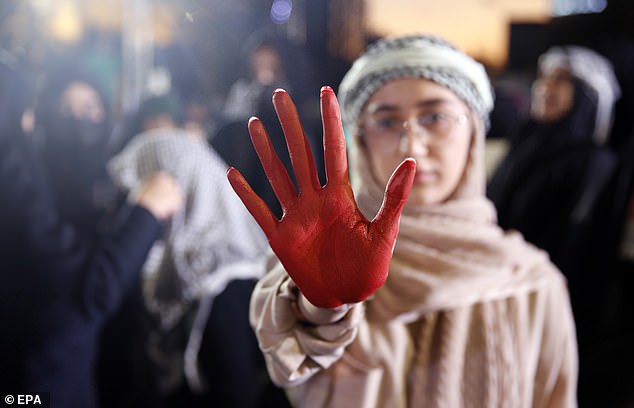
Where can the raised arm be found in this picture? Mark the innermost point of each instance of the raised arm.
(329, 249)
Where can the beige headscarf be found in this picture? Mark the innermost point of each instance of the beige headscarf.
(451, 254)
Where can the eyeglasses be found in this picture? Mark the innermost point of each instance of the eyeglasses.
(389, 133)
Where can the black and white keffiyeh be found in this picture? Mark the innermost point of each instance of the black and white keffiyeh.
(210, 242)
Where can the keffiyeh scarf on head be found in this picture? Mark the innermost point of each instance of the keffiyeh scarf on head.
(210, 242)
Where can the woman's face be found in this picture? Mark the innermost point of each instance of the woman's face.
(420, 119)
(81, 101)
(266, 66)
(552, 95)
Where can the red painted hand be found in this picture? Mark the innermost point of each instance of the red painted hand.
(329, 249)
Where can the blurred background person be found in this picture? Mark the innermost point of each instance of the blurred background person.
(61, 283)
(73, 129)
(267, 71)
(192, 310)
(550, 184)
(198, 117)
(561, 150)
(273, 63)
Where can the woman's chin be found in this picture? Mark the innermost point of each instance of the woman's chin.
(424, 194)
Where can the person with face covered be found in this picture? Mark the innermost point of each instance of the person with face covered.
(62, 279)
(395, 287)
(72, 134)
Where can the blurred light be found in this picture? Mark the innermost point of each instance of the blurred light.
(65, 23)
(42, 6)
(163, 24)
(102, 16)
(281, 11)
(568, 7)
(159, 81)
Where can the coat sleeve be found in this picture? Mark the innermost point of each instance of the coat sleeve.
(296, 348)
(115, 262)
(557, 368)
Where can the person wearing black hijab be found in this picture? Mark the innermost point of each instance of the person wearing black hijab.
(559, 159)
(551, 184)
(58, 285)
(73, 134)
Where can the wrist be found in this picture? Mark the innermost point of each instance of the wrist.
(318, 315)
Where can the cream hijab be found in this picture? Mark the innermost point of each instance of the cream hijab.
(451, 254)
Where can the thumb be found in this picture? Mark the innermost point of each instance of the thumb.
(396, 192)
(254, 204)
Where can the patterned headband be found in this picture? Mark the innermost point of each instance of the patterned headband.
(415, 56)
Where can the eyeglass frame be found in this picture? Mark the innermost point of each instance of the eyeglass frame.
(421, 123)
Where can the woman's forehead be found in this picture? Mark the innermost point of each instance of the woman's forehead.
(409, 93)
(555, 72)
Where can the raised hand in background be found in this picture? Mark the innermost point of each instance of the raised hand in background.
(330, 250)
(160, 195)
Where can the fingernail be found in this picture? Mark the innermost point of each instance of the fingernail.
(277, 95)
(332, 108)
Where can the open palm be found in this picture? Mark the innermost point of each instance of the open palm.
(331, 251)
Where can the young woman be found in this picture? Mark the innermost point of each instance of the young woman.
(430, 303)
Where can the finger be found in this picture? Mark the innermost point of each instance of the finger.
(298, 147)
(396, 192)
(335, 157)
(275, 171)
(258, 208)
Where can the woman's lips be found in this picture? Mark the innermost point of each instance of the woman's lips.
(424, 176)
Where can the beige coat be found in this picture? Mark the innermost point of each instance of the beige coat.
(517, 351)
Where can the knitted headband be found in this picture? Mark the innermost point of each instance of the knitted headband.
(414, 56)
(595, 72)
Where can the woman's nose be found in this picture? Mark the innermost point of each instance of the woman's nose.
(414, 141)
